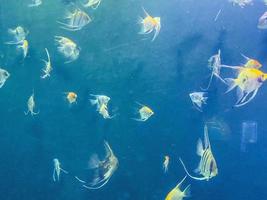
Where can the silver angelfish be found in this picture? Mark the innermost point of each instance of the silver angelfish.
(198, 99)
(4, 75)
(57, 170)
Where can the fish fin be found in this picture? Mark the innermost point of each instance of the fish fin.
(231, 84)
(96, 187)
(78, 179)
(187, 191)
(180, 183)
(196, 178)
(142, 105)
(200, 149)
(66, 172)
(93, 162)
(54, 176)
(146, 13)
(93, 101)
(206, 137)
(198, 169)
(205, 100)
(240, 95)
(246, 58)
(157, 30)
(139, 120)
(197, 106)
(205, 89)
(231, 67)
(245, 102)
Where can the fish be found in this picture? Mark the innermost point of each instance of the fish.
(76, 20)
(71, 97)
(35, 3)
(92, 3)
(48, 66)
(31, 106)
(207, 166)
(262, 22)
(19, 34)
(241, 3)
(177, 194)
(166, 163)
(4, 75)
(247, 82)
(24, 45)
(144, 113)
(57, 170)
(101, 102)
(104, 169)
(198, 98)
(214, 63)
(149, 24)
(67, 48)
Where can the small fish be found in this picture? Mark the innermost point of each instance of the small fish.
(214, 63)
(207, 166)
(4, 75)
(198, 99)
(35, 3)
(48, 67)
(177, 194)
(76, 20)
(57, 170)
(241, 3)
(67, 48)
(145, 113)
(71, 97)
(247, 82)
(101, 102)
(24, 45)
(149, 24)
(19, 34)
(104, 169)
(92, 3)
(166, 163)
(31, 106)
(262, 23)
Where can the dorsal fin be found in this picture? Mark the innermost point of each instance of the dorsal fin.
(206, 137)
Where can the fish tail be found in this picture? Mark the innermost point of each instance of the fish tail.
(196, 178)
(231, 84)
(187, 191)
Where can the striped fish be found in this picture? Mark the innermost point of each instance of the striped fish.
(207, 166)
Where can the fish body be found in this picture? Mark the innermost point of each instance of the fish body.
(76, 20)
(166, 163)
(207, 166)
(150, 24)
(248, 82)
(71, 97)
(4, 75)
(144, 113)
(31, 106)
(241, 3)
(67, 48)
(92, 3)
(35, 3)
(262, 22)
(177, 194)
(48, 66)
(57, 170)
(198, 98)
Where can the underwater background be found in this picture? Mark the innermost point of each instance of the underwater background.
(117, 61)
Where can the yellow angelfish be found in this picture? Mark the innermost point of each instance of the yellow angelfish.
(149, 23)
(177, 194)
(248, 82)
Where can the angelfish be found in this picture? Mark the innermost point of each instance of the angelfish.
(262, 23)
(57, 170)
(207, 166)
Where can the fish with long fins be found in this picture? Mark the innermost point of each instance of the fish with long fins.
(57, 170)
(262, 23)
(207, 166)
(177, 194)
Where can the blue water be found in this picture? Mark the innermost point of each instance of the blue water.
(117, 62)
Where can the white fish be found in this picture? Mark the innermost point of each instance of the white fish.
(207, 166)
(92, 3)
(214, 63)
(48, 67)
(31, 106)
(101, 102)
(262, 23)
(35, 3)
(76, 20)
(241, 3)
(4, 75)
(19, 34)
(198, 99)
(104, 169)
(57, 170)
(67, 48)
